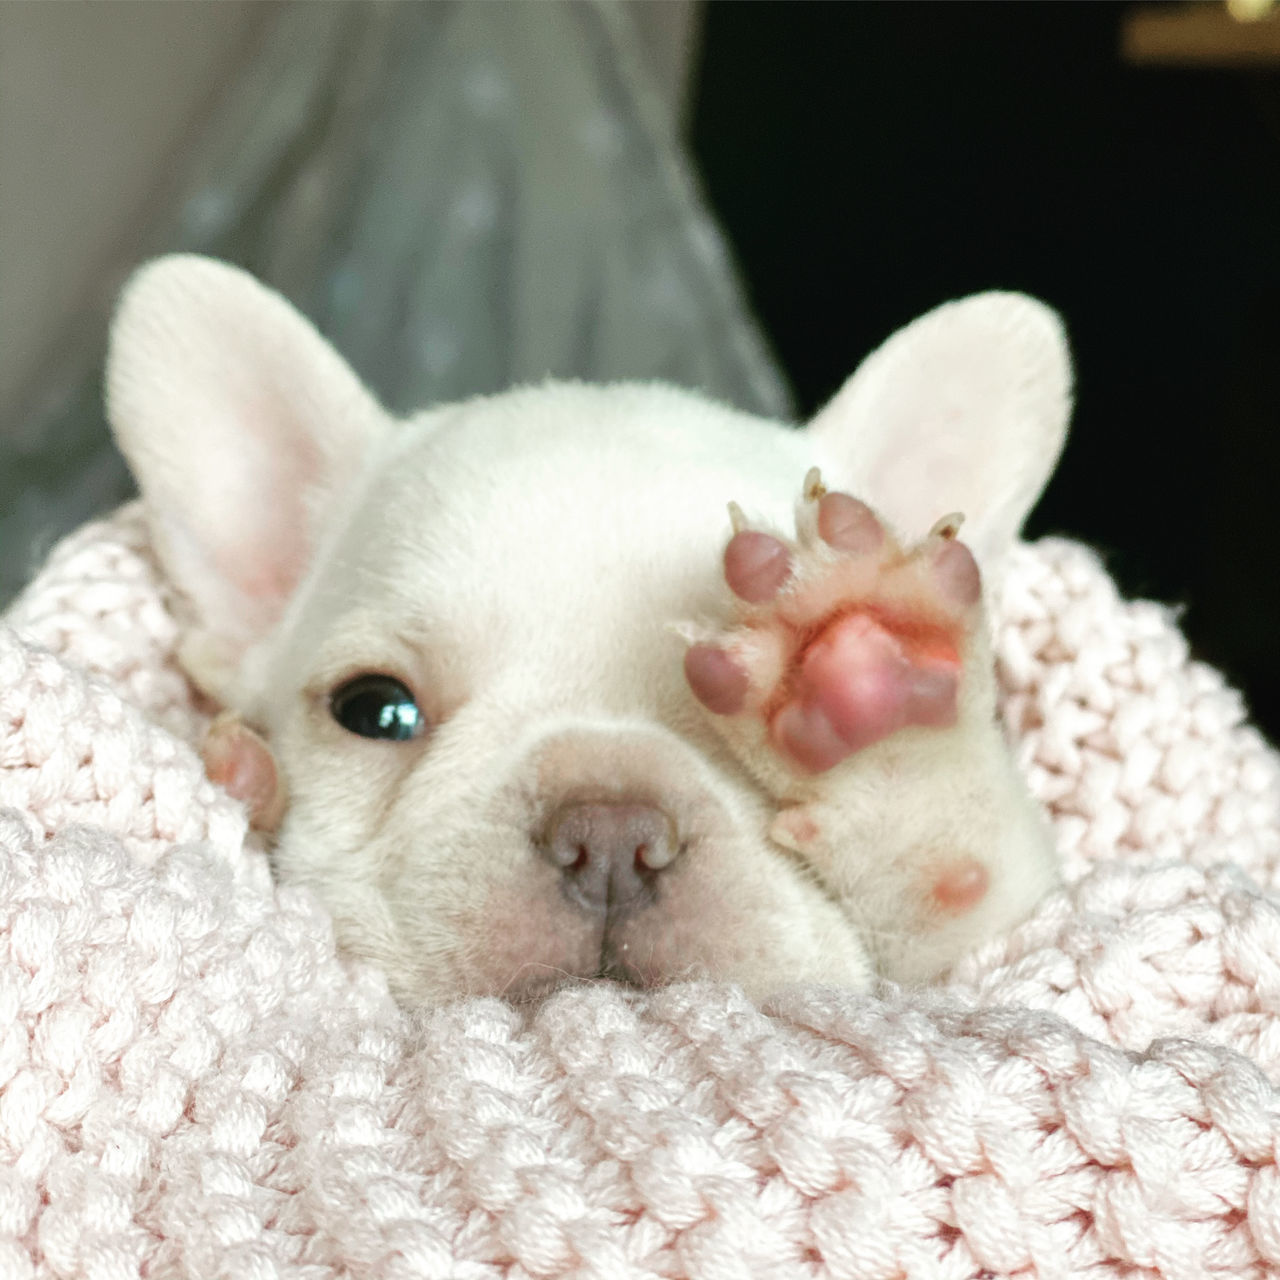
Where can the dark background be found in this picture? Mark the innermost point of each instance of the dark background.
(869, 161)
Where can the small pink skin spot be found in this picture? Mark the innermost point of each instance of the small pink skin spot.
(715, 679)
(802, 829)
(848, 525)
(961, 886)
(756, 565)
(794, 829)
(240, 762)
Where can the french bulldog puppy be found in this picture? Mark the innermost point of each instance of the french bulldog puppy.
(581, 681)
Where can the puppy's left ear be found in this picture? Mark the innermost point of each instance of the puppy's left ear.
(243, 427)
(964, 410)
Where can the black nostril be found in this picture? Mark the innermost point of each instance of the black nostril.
(609, 852)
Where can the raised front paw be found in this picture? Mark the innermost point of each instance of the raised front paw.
(846, 648)
(842, 636)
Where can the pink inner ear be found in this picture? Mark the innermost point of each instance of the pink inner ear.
(265, 581)
(269, 551)
(236, 417)
(963, 410)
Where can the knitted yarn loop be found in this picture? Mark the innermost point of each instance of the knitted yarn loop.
(194, 1084)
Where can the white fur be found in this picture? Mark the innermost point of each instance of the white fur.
(518, 561)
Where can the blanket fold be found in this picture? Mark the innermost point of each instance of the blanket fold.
(193, 1083)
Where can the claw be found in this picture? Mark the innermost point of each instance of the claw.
(690, 632)
(811, 494)
(737, 518)
(948, 527)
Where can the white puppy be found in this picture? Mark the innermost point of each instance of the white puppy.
(582, 680)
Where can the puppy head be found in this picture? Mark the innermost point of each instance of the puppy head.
(454, 631)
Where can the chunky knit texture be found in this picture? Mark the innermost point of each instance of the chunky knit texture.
(193, 1083)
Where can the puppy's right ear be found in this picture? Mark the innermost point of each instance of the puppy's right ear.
(240, 424)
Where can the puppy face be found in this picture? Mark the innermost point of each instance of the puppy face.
(463, 637)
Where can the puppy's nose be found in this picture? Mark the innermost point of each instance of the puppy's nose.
(609, 852)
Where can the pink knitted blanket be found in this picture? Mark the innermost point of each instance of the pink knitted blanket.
(193, 1084)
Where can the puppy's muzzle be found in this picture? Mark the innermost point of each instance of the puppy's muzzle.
(610, 853)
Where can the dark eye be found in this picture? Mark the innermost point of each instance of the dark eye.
(377, 707)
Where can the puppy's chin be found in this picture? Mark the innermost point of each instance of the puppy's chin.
(533, 985)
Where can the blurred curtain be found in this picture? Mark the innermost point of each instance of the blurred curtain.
(462, 196)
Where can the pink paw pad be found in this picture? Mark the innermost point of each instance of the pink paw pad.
(843, 638)
(858, 681)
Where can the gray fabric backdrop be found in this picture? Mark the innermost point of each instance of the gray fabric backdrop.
(462, 196)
